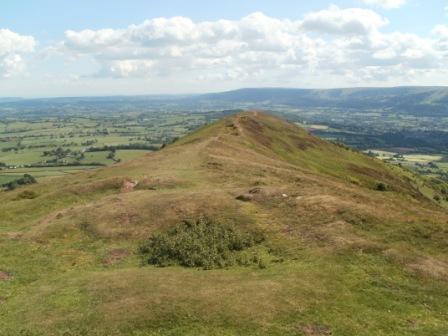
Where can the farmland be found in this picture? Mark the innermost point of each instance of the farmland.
(55, 146)
(430, 165)
(59, 136)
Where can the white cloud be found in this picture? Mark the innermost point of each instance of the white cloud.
(331, 43)
(440, 32)
(12, 47)
(12, 65)
(172, 45)
(386, 4)
(351, 21)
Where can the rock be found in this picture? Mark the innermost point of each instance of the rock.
(128, 186)
(245, 197)
(5, 276)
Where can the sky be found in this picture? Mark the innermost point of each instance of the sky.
(52, 48)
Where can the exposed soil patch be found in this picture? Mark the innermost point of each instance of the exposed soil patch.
(422, 265)
(128, 186)
(115, 256)
(5, 276)
(13, 235)
(313, 329)
(327, 203)
(430, 266)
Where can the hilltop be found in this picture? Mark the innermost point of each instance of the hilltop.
(351, 246)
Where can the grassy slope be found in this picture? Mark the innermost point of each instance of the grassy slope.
(340, 255)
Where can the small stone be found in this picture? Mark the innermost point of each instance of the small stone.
(245, 197)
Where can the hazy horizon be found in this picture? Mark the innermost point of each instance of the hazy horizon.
(212, 92)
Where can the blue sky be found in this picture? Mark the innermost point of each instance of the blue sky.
(64, 48)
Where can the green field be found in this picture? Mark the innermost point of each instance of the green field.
(59, 146)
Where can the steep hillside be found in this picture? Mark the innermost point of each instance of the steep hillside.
(350, 246)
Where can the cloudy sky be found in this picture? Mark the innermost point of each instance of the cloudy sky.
(99, 47)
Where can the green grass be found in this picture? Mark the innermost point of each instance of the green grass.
(22, 157)
(125, 155)
(360, 294)
(339, 255)
(8, 178)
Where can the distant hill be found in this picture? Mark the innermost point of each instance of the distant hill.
(421, 101)
(400, 99)
(307, 237)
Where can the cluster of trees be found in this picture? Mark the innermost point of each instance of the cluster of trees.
(142, 146)
(60, 154)
(89, 142)
(111, 155)
(26, 179)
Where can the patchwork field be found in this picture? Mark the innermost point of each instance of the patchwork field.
(64, 145)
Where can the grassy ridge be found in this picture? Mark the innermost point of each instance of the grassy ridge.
(341, 256)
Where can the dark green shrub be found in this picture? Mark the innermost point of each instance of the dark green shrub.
(199, 243)
(381, 186)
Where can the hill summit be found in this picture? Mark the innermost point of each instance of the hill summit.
(297, 236)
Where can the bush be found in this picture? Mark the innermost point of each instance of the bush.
(381, 186)
(199, 243)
